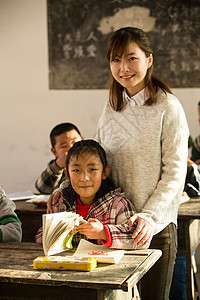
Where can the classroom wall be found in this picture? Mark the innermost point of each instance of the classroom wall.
(29, 109)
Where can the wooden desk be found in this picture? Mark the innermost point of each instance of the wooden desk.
(19, 279)
(31, 217)
(189, 237)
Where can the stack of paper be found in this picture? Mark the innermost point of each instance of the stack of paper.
(21, 195)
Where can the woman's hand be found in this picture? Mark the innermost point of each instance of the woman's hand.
(197, 161)
(52, 201)
(93, 229)
(144, 231)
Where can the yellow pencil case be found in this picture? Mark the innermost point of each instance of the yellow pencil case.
(64, 263)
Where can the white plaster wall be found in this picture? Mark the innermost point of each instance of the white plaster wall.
(29, 109)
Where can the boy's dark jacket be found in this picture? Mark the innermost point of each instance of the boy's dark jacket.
(192, 181)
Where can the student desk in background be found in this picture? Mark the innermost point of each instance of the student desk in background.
(189, 237)
(18, 279)
(31, 217)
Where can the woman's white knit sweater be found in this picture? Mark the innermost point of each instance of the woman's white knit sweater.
(147, 148)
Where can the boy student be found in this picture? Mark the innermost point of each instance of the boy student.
(10, 225)
(62, 138)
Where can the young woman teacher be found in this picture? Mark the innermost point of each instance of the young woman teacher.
(145, 134)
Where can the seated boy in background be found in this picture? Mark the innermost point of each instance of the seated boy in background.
(62, 138)
(10, 225)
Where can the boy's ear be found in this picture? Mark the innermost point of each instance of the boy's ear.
(106, 172)
(54, 152)
(66, 175)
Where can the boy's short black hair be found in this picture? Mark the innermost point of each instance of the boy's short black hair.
(61, 128)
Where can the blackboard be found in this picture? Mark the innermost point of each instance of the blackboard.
(78, 31)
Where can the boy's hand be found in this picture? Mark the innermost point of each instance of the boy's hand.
(93, 229)
(52, 201)
(61, 160)
(144, 231)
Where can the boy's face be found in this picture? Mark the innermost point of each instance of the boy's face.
(64, 142)
(86, 174)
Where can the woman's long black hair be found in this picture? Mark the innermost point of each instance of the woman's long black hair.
(116, 46)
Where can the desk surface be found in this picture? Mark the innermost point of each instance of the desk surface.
(190, 209)
(16, 267)
(22, 207)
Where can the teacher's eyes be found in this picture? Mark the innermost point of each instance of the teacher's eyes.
(132, 58)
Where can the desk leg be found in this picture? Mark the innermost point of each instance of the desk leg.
(115, 295)
(184, 248)
(136, 295)
(189, 270)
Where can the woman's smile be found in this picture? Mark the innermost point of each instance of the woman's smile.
(127, 76)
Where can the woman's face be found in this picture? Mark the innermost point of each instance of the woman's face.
(130, 69)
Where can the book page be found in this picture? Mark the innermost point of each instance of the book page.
(54, 234)
(63, 242)
(102, 253)
(58, 231)
(46, 222)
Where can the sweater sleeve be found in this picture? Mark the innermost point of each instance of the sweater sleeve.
(50, 178)
(174, 151)
(10, 229)
(10, 225)
(120, 231)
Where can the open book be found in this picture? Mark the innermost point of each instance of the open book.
(102, 253)
(58, 231)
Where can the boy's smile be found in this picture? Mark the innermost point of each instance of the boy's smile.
(86, 174)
